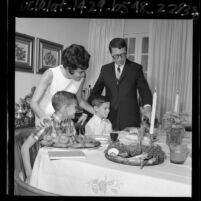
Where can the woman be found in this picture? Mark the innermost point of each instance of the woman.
(69, 76)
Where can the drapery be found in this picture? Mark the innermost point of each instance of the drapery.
(101, 32)
(170, 64)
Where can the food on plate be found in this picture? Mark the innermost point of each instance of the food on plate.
(89, 144)
(75, 141)
(47, 138)
(55, 139)
(113, 152)
(151, 161)
(146, 141)
(128, 139)
(46, 143)
(77, 145)
(63, 139)
(62, 145)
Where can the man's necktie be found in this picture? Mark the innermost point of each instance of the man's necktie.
(118, 72)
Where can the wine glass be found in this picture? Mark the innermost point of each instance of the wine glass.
(114, 136)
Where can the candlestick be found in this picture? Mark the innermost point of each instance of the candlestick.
(153, 112)
(176, 102)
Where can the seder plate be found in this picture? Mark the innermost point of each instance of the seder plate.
(126, 161)
(135, 154)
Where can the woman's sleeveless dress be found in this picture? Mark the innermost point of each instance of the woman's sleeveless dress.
(59, 83)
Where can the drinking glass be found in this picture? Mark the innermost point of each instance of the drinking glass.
(114, 136)
(178, 153)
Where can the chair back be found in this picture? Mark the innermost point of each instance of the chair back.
(21, 188)
(20, 138)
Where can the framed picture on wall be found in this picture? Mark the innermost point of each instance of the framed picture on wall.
(49, 54)
(24, 50)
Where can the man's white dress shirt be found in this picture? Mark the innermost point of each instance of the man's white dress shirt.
(116, 70)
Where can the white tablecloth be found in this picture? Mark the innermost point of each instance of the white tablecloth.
(97, 176)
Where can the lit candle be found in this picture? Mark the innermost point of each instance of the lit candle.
(153, 112)
(176, 102)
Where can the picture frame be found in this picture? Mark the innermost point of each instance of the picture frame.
(49, 54)
(24, 52)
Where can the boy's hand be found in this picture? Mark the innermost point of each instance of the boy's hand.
(82, 119)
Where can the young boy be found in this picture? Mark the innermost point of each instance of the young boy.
(59, 124)
(99, 124)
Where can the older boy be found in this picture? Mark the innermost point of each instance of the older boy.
(64, 104)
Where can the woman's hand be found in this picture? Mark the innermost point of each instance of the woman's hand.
(45, 121)
(82, 119)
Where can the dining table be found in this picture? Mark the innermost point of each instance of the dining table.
(95, 175)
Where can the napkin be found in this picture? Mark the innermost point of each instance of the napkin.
(128, 139)
(66, 154)
(101, 138)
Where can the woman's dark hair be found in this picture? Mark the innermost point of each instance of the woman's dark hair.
(117, 43)
(74, 57)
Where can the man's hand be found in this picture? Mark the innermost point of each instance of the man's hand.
(146, 111)
(82, 119)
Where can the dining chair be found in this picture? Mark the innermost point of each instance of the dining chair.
(23, 189)
(20, 187)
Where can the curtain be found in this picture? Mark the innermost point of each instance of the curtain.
(101, 32)
(170, 64)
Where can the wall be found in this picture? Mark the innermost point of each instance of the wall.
(64, 31)
(136, 26)
(60, 30)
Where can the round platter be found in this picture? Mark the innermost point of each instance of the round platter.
(125, 161)
(73, 141)
(91, 145)
(135, 154)
(94, 144)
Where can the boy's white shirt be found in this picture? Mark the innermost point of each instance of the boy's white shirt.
(98, 126)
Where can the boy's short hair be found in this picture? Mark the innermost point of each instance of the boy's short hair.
(99, 100)
(62, 98)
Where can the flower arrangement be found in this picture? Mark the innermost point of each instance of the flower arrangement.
(174, 126)
(24, 116)
(172, 118)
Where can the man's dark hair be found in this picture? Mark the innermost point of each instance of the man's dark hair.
(61, 98)
(74, 57)
(99, 100)
(117, 43)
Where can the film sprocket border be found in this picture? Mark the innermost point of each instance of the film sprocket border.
(116, 7)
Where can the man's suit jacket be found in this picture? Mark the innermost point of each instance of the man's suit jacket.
(124, 106)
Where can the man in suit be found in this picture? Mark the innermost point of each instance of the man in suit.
(122, 79)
